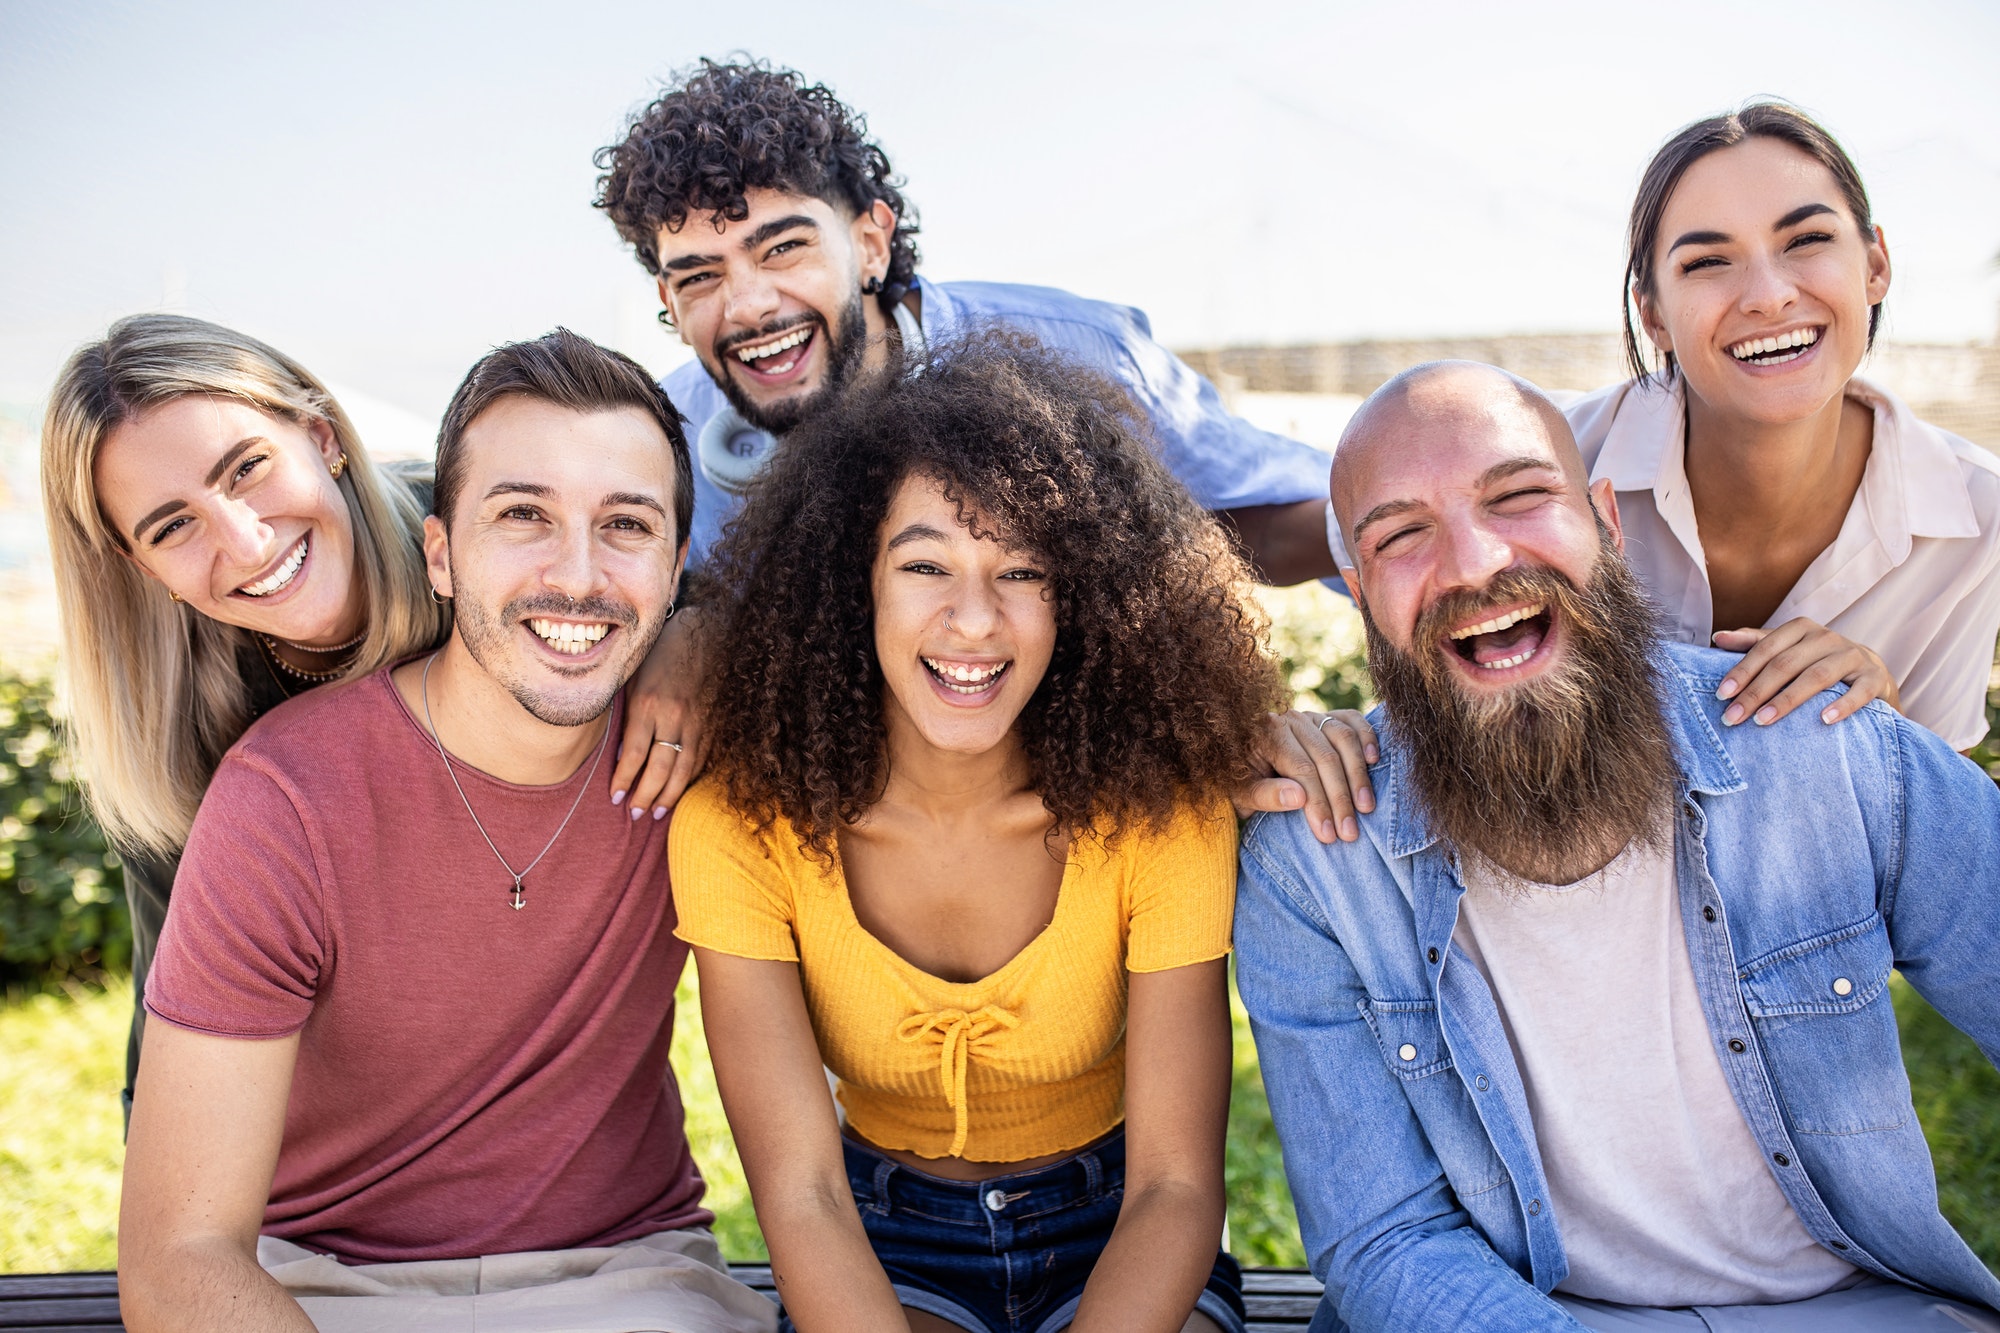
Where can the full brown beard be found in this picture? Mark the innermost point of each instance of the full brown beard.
(1553, 778)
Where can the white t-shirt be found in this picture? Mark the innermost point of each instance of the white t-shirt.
(1913, 574)
(1660, 1191)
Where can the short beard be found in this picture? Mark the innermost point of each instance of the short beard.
(845, 346)
(487, 637)
(1552, 779)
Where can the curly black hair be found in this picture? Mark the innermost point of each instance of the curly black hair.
(1158, 680)
(721, 129)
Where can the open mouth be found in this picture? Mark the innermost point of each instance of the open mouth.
(1777, 349)
(571, 638)
(779, 356)
(969, 679)
(1507, 640)
(281, 577)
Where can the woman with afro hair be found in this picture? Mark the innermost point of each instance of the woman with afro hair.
(984, 682)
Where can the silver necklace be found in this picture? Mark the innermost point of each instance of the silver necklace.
(518, 898)
(308, 648)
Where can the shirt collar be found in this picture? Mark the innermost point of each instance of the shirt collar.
(1913, 485)
(1699, 754)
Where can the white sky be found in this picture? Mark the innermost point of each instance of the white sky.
(387, 189)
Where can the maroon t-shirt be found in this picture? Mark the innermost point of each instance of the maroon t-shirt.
(471, 1079)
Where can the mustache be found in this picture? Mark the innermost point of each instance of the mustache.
(1509, 587)
(573, 608)
(730, 342)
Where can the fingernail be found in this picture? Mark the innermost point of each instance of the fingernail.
(1732, 715)
(1291, 799)
(1326, 832)
(659, 812)
(1828, 716)
(1374, 754)
(1727, 689)
(1766, 715)
(638, 810)
(1349, 830)
(617, 798)
(1364, 800)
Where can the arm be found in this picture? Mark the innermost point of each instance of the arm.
(1286, 543)
(1784, 667)
(767, 1067)
(206, 1124)
(660, 705)
(1382, 1226)
(1176, 1113)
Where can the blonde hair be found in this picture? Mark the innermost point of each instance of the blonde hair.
(156, 692)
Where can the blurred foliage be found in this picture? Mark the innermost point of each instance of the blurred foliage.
(1317, 637)
(62, 893)
(1957, 1095)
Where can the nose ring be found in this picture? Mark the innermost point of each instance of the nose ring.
(947, 617)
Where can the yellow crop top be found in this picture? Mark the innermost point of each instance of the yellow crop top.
(1026, 1062)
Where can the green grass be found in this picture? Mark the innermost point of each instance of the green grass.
(61, 1146)
(63, 1056)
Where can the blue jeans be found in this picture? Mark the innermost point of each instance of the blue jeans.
(1009, 1254)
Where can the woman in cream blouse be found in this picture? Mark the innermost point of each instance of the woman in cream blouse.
(1773, 501)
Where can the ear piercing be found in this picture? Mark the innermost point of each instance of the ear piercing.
(338, 466)
(871, 287)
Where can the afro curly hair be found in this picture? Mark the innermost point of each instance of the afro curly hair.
(1152, 699)
(720, 130)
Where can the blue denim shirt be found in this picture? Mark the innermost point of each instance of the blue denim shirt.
(1805, 853)
(1223, 460)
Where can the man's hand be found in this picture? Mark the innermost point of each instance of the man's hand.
(1319, 761)
(1784, 667)
(207, 1119)
(663, 748)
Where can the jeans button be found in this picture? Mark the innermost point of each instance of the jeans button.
(996, 1201)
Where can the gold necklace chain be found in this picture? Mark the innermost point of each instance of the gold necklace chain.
(298, 672)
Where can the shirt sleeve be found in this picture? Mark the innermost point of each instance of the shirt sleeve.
(1182, 892)
(243, 947)
(731, 893)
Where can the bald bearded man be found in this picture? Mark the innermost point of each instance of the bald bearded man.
(1592, 1025)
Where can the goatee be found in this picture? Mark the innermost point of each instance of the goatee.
(844, 346)
(1553, 778)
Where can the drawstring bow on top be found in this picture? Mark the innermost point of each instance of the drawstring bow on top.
(955, 1031)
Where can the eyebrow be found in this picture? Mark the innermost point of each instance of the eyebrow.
(1791, 219)
(616, 498)
(172, 507)
(760, 236)
(519, 488)
(1500, 471)
(916, 532)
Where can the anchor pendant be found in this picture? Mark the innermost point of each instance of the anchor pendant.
(519, 899)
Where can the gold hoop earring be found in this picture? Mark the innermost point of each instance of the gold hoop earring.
(173, 596)
(339, 465)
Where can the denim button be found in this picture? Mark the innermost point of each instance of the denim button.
(1736, 1045)
(1534, 1208)
(1781, 1159)
(1707, 913)
(1434, 955)
(1407, 1051)
(996, 1201)
(1481, 1083)
(1842, 986)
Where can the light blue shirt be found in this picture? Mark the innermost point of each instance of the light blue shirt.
(1223, 460)
(1806, 854)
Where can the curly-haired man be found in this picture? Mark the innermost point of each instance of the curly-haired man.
(786, 257)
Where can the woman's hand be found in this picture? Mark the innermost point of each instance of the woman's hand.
(1784, 667)
(1318, 761)
(662, 750)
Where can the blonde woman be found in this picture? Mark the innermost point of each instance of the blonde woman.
(221, 542)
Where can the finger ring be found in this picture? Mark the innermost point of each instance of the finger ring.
(675, 746)
(1320, 725)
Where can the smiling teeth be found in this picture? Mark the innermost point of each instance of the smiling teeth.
(790, 340)
(963, 678)
(280, 576)
(1499, 623)
(568, 636)
(1506, 662)
(1799, 338)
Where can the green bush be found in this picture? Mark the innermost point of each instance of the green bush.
(62, 892)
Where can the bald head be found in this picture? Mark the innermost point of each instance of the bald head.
(1427, 409)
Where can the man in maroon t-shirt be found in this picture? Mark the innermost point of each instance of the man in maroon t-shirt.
(416, 989)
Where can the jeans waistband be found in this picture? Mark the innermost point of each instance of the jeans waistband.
(882, 1185)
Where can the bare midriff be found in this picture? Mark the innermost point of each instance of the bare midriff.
(955, 1168)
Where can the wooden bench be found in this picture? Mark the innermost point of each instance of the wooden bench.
(1277, 1299)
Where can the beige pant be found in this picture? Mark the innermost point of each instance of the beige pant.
(669, 1282)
